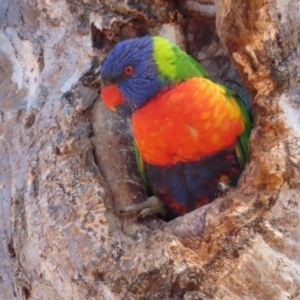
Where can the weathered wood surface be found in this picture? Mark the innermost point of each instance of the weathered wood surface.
(67, 164)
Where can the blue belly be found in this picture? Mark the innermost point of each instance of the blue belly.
(186, 186)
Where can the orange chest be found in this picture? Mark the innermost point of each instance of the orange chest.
(185, 124)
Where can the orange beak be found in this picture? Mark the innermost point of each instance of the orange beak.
(111, 96)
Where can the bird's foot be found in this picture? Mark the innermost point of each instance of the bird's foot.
(222, 189)
(151, 206)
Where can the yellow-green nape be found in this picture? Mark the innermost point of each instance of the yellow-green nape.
(173, 63)
(164, 57)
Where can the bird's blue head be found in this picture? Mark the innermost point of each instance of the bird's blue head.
(130, 73)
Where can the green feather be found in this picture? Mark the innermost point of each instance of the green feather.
(142, 169)
(242, 140)
(173, 63)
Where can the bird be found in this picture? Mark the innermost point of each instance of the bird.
(190, 133)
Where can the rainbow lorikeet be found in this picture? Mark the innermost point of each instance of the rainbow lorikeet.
(190, 133)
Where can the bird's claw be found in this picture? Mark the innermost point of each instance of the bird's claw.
(222, 189)
(151, 206)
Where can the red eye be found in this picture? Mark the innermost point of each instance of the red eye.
(128, 70)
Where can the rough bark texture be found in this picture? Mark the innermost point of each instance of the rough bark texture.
(67, 163)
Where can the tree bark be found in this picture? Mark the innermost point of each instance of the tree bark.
(68, 165)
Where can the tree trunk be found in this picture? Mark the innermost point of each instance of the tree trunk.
(68, 165)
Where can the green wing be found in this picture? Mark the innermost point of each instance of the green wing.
(242, 141)
(142, 169)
